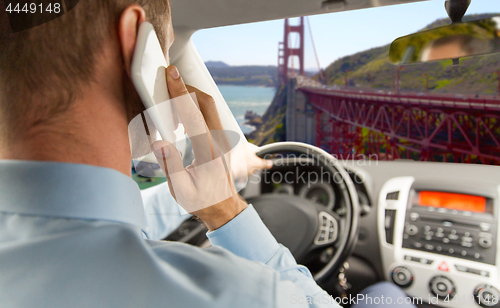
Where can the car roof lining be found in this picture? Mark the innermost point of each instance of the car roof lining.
(192, 15)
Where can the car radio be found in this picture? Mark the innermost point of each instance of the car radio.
(457, 225)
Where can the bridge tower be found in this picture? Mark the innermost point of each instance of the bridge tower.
(287, 50)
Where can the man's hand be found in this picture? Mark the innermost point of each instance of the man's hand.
(253, 163)
(204, 188)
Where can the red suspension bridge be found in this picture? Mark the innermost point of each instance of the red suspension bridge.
(354, 123)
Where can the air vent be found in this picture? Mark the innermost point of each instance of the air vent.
(390, 217)
(392, 196)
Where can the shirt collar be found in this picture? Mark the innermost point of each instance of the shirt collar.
(74, 191)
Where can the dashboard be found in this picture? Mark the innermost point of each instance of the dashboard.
(431, 228)
(436, 225)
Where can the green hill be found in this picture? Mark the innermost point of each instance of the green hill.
(216, 64)
(371, 68)
(254, 75)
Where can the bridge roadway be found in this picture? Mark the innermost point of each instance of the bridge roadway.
(419, 126)
(469, 102)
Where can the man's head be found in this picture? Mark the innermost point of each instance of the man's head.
(455, 47)
(43, 70)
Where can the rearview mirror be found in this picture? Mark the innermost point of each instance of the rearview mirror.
(455, 41)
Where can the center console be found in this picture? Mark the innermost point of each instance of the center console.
(457, 225)
(440, 240)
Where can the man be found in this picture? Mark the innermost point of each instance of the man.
(72, 220)
(456, 47)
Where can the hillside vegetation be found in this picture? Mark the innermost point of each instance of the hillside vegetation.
(273, 128)
(372, 68)
(252, 75)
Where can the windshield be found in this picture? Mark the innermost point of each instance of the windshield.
(338, 90)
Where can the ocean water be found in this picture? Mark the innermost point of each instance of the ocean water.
(243, 98)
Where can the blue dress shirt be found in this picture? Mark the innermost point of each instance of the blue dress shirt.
(71, 236)
(162, 213)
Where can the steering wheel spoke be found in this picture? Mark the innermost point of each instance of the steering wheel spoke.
(328, 230)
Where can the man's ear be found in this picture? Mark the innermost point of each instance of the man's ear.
(128, 28)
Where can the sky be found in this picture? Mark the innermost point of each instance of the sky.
(335, 35)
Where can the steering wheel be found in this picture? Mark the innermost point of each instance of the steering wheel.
(304, 226)
(299, 224)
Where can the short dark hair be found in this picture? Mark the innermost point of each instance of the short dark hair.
(53, 61)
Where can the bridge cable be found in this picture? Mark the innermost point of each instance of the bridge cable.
(314, 49)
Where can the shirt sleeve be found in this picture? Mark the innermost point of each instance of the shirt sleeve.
(163, 213)
(248, 237)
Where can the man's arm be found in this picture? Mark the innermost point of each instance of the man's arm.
(248, 237)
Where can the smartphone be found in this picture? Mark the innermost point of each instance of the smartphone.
(148, 70)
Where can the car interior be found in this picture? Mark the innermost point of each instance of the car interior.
(432, 228)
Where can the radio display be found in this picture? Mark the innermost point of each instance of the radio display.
(452, 201)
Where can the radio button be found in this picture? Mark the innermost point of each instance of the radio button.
(467, 239)
(412, 230)
(485, 242)
(466, 244)
(485, 226)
